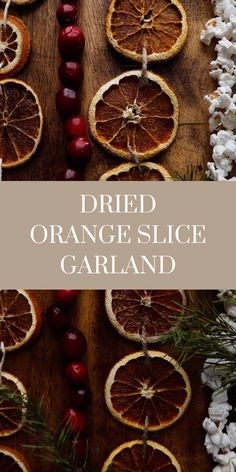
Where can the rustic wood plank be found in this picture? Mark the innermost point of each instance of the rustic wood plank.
(187, 74)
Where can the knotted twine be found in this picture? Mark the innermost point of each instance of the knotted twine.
(3, 351)
(148, 367)
(142, 81)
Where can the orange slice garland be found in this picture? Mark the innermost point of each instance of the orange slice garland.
(127, 116)
(132, 311)
(130, 457)
(14, 46)
(159, 25)
(20, 318)
(12, 460)
(147, 171)
(137, 390)
(21, 122)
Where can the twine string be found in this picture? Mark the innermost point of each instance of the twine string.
(145, 438)
(148, 367)
(3, 351)
(143, 78)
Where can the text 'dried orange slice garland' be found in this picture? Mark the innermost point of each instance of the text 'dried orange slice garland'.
(222, 102)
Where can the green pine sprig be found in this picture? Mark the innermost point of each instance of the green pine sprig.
(51, 446)
(200, 331)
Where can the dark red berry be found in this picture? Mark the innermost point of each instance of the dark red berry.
(75, 127)
(74, 344)
(75, 420)
(81, 446)
(71, 74)
(67, 102)
(66, 297)
(67, 14)
(68, 175)
(58, 320)
(79, 152)
(77, 373)
(71, 42)
(80, 397)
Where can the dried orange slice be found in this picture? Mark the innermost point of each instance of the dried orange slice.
(20, 2)
(128, 114)
(14, 46)
(159, 25)
(133, 172)
(132, 456)
(11, 416)
(20, 318)
(12, 460)
(135, 312)
(153, 391)
(21, 122)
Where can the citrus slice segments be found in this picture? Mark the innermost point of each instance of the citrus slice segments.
(21, 122)
(12, 460)
(159, 25)
(130, 116)
(134, 313)
(14, 46)
(11, 416)
(131, 456)
(154, 391)
(20, 318)
(133, 172)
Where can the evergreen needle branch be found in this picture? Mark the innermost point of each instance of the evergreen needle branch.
(51, 446)
(199, 331)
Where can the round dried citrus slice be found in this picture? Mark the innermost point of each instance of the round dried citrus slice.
(130, 117)
(14, 46)
(132, 456)
(20, 318)
(153, 390)
(159, 25)
(12, 460)
(133, 172)
(21, 122)
(11, 416)
(137, 312)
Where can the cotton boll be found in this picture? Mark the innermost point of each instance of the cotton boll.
(231, 431)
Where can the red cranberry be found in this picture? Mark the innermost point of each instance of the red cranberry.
(71, 74)
(80, 397)
(79, 151)
(68, 175)
(67, 14)
(67, 102)
(75, 420)
(66, 297)
(74, 344)
(77, 373)
(71, 42)
(75, 127)
(81, 447)
(58, 320)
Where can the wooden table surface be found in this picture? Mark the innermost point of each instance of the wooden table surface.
(40, 366)
(187, 74)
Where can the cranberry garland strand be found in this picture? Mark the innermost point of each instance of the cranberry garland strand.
(71, 44)
(74, 347)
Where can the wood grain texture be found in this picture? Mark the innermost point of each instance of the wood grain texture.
(187, 73)
(40, 367)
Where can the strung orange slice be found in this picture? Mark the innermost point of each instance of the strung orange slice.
(14, 46)
(21, 122)
(20, 318)
(11, 416)
(12, 460)
(131, 456)
(135, 312)
(133, 172)
(129, 116)
(152, 392)
(159, 25)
